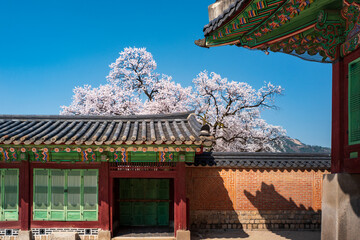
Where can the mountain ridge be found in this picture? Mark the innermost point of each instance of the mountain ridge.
(293, 145)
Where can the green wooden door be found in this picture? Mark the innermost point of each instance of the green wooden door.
(354, 102)
(90, 193)
(9, 194)
(163, 207)
(73, 195)
(65, 194)
(144, 202)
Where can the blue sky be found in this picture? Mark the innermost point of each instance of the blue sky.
(49, 47)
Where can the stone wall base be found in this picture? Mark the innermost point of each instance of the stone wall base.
(341, 207)
(270, 219)
(183, 235)
(24, 235)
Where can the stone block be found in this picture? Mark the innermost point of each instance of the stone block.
(104, 235)
(341, 206)
(24, 235)
(64, 236)
(182, 235)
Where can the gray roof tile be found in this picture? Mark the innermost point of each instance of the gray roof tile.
(264, 160)
(178, 128)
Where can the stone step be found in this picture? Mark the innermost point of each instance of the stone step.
(64, 236)
(144, 238)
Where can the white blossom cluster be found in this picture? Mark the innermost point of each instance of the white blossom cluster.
(231, 109)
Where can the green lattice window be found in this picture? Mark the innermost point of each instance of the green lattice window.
(9, 194)
(65, 194)
(354, 102)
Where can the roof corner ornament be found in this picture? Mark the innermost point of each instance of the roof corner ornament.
(201, 43)
(205, 130)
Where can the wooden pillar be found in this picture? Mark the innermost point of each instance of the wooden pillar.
(180, 198)
(104, 191)
(24, 195)
(338, 131)
(111, 197)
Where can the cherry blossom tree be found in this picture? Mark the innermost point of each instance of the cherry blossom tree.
(133, 87)
(231, 109)
(106, 99)
(135, 69)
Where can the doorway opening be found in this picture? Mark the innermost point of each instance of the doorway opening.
(143, 207)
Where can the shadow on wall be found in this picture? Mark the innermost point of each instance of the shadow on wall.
(233, 202)
(210, 204)
(290, 217)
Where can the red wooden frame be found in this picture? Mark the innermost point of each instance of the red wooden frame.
(106, 182)
(340, 148)
(178, 177)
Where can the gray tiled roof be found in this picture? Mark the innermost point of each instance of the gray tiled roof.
(264, 160)
(178, 128)
(222, 18)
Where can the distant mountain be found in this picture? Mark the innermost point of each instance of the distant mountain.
(292, 145)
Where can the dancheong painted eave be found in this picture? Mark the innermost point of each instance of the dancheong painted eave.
(162, 129)
(309, 29)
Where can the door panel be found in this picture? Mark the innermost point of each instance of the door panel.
(163, 213)
(137, 214)
(143, 202)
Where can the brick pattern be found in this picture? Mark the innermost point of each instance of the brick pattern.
(287, 219)
(254, 198)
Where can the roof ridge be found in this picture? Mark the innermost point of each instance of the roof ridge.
(182, 115)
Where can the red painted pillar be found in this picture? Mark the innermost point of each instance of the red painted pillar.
(111, 197)
(180, 198)
(338, 131)
(104, 210)
(24, 195)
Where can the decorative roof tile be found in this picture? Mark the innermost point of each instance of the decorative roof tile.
(264, 160)
(222, 18)
(178, 128)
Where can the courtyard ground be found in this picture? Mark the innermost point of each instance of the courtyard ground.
(255, 235)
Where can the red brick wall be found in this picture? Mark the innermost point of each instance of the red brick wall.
(264, 193)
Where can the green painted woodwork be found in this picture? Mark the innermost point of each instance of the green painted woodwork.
(350, 13)
(65, 194)
(144, 202)
(289, 23)
(243, 22)
(354, 155)
(12, 156)
(283, 25)
(306, 17)
(9, 194)
(354, 102)
(88, 154)
(143, 157)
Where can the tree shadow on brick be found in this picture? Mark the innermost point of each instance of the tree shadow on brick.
(211, 209)
(278, 213)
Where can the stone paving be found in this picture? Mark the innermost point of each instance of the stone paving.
(255, 235)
